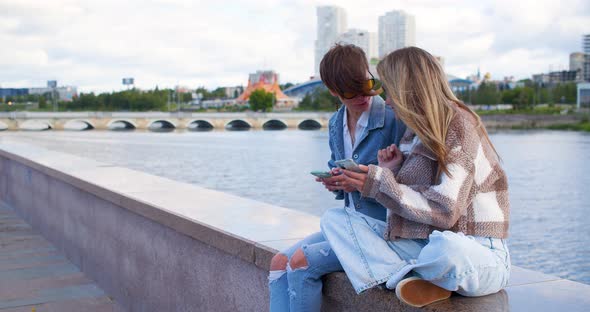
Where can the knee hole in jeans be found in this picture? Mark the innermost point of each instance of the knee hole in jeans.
(279, 262)
(298, 260)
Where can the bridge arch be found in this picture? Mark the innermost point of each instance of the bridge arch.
(199, 125)
(36, 125)
(74, 125)
(238, 125)
(121, 125)
(161, 125)
(309, 124)
(274, 124)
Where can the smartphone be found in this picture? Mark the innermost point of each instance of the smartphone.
(348, 164)
(321, 174)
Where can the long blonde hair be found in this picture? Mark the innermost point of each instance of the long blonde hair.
(422, 98)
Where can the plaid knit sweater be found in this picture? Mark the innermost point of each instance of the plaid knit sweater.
(472, 200)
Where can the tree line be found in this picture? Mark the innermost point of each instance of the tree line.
(127, 100)
(523, 97)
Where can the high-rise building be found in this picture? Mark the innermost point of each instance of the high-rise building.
(358, 37)
(373, 46)
(576, 61)
(331, 23)
(397, 30)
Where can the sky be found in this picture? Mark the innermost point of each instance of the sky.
(94, 44)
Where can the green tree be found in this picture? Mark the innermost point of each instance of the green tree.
(564, 93)
(186, 97)
(286, 86)
(325, 101)
(543, 94)
(206, 95)
(487, 93)
(306, 103)
(527, 82)
(260, 100)
(319, 100)
(218, 93)
(509, 96)
(525, 98)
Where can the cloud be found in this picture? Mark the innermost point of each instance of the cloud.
(217, 43)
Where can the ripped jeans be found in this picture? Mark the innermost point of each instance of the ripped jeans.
(301, 289)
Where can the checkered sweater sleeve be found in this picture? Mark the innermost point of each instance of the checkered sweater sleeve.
(441, 204)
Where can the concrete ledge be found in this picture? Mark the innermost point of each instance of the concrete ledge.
(508, 121)
(160, 245)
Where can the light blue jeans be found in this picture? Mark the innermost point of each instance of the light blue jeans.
(301, 289)
(471, 266)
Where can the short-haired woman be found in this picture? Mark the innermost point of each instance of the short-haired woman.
(362, 126)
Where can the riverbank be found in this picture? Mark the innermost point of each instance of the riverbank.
(535, 121)
(582, 126)
(558, 117)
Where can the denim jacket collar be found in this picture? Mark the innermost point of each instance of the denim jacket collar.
(376, 120)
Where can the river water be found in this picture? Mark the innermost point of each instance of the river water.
(548, 172)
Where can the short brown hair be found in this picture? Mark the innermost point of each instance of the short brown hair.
(343, 69)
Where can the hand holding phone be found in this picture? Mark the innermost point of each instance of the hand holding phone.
(348, 164)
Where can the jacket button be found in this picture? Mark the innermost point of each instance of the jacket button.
(358, 206)
(355, 156)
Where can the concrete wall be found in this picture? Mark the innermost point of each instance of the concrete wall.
(155, 244)
(144, 265)
(147, 258)
(509, 121)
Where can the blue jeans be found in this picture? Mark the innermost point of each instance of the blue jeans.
(301, 289)
(469, 265)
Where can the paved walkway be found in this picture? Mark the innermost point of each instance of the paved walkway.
(34, 276)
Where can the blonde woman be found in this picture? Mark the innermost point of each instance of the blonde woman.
(444, 189)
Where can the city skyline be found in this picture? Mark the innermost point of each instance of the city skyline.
(331, 23)
(168, 43)
(397, 29)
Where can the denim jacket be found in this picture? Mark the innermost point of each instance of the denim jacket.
(383, 129)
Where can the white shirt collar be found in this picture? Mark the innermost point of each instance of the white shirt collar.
(363, 120)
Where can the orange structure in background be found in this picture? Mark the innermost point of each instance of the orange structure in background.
(269, 82)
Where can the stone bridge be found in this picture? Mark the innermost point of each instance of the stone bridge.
(161, 121)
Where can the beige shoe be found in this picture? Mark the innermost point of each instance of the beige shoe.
(417, 292)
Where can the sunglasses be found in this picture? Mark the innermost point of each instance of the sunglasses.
(371, 84)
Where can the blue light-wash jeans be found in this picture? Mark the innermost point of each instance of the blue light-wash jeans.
(469, 265)
(301, 289)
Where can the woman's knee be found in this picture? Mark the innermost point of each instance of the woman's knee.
(279, 262)
(447, 242)
(298, 260)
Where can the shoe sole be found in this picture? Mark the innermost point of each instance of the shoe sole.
(417, 292)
